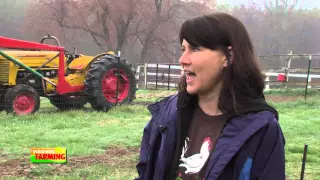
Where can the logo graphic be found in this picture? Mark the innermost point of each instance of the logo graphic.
(48, 155)
(194, 163)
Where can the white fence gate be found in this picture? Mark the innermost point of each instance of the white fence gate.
(168, 75)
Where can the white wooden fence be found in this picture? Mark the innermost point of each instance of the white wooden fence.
(168, 75)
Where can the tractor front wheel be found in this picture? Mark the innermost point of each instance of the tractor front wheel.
(109, 82)
(21, 100)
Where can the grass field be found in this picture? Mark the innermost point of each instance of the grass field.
(106, 145)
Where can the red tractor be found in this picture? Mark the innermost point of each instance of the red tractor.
(30, 70)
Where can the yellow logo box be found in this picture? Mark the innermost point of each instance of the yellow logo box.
(48, 155)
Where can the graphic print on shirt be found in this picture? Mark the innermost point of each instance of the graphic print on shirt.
(195, 162)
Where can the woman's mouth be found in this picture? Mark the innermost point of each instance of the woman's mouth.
(190, 76)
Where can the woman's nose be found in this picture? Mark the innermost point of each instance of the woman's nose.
(184, 59)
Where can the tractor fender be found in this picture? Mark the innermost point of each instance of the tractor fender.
(84, 62)
(97, 57)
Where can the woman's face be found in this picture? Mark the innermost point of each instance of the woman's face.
(203, 68)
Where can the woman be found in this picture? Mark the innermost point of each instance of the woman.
(218, 126)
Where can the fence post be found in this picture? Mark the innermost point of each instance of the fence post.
(287, 70)
(304, 161)
(118, 75)
(169, 76)
(138, 76)
(157, 76)
(145, 75)
(267, 82)
(306, 90)
(309, 81)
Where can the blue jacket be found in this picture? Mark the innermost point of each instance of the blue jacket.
(249, 147)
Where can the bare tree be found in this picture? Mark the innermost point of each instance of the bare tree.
(279, 18)
(107, 23)
(161, 33)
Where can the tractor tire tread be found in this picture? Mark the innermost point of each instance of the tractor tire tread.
(93, 82)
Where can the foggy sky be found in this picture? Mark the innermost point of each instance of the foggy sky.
(305, 4)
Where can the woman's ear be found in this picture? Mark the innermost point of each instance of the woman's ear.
(231, 55)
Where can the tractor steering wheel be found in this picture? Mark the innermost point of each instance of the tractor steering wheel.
(70, 57)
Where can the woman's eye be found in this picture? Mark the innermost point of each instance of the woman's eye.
(195, 49)
(192, 49)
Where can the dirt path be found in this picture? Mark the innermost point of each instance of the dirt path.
(112, 156)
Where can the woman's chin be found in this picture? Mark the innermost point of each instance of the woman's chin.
(192, 90)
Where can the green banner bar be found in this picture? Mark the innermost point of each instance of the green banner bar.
(17, 62)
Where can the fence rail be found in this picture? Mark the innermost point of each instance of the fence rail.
(167, 76)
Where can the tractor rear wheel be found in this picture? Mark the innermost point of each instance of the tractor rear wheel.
(68, 102)
(21, 100)
(102, 85)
